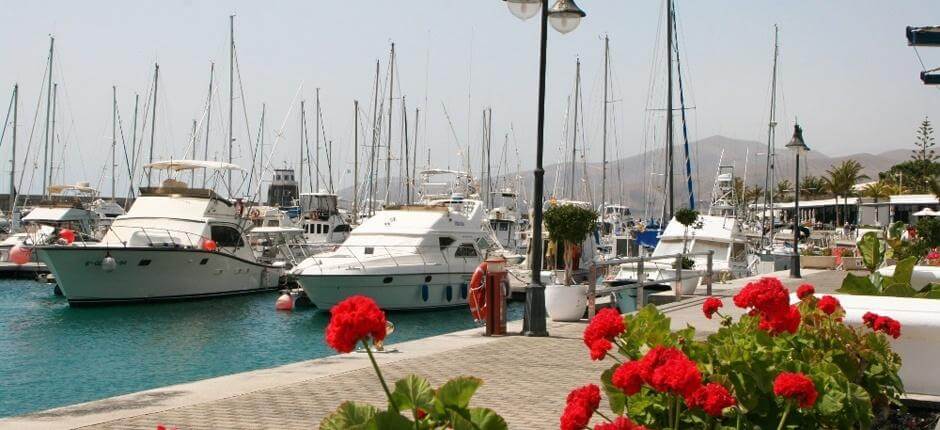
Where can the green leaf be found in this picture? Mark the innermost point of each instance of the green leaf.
(487, 419)
(389, 420)
(903, 271)
(456, 393)
(615, 397)
(899, 290)
(858, 285)
(930, 291)
(349, 416)
(413, 392)
(870, 248)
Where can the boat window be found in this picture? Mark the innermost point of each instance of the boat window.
(342, 228)
(482, 243)
(225, 236)
(503, 227)
(466, 250)
(445, 241)
(326, 229)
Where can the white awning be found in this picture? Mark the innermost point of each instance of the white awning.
(926, 212)
(178, 165)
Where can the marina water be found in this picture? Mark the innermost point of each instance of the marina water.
(53, 355)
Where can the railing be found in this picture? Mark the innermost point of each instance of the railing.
(172, 239)
(641, 276)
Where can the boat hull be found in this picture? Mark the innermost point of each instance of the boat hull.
(153, 274)
(413, 291)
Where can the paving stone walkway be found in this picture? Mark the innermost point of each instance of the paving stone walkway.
(526, 379)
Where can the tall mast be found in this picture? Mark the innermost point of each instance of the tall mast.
(316, 146)
(264, 109)
(153, 117)
(771, 135)
(404, 113)
(414, 152)
(489, 158)
(303, 118)
(205, 150)
(113, 142)
(355, 200)
(604, 144)
(574, 142)
(670, 179)
(55, 92)
(16, 101)
(376, 131)
(45, 164)
(130, 186)
(388, 149)
(231, 94)
(192, 173)
(329, 164)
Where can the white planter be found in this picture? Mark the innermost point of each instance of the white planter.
(565, 303)
(818, 261)
(920, 277)
(691, 278)
(919, 344)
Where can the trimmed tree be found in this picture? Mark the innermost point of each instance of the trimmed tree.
(570, 225)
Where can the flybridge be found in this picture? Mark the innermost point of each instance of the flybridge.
(930, 37)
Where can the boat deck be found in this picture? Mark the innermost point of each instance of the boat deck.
(526, 379)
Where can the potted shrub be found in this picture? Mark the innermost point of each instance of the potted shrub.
(690, 278)
(569, 225)
(818, 258)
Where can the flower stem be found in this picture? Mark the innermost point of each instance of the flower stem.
(678, 410)
(598, 411)
(614, 357)
(783, 419)
(379, 374)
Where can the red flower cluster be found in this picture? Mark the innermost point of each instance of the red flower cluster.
(769, 299)
(796, 387)
(805, 291)
(711, 306)
(602, 330)
(621, 423)
(888, 325)
(582, 402)
(829, 304)
(664, 369)
(712, 398)
(354, 319)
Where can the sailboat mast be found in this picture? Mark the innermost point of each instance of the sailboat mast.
(404, 117)
(771, 135)
(113, 142)
(130, 186)
(45, 165)
(376, 124)
(574, 142)
(670, 176)
(489, 155)
(388, 148)
(16, 108)
(355, 200)
(300, 176)
(316, 146)
(55, 92)
(153, 117)
(205, 150)
(264, 110)
(414, 152)
(192, 173)
(604, 144)
(231, 94)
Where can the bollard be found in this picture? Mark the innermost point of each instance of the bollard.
(495, 296)
(708, 273)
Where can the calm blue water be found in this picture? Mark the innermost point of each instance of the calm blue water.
(53, 355)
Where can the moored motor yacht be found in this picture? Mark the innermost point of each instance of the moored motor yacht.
(174, 243)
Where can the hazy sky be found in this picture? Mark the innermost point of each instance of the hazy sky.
(845, 71)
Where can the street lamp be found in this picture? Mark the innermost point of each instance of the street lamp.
(799, 146)
(565, 16)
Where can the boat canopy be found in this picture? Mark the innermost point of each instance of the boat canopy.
(82, 187)
(44, 214)
(178, 165)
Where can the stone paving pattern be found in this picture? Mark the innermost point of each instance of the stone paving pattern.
(526, 379)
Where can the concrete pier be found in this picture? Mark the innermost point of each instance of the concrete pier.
(526, 379)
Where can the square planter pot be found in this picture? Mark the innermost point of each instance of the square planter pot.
(818, 261)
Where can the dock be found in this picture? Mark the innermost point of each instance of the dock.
(526, 378)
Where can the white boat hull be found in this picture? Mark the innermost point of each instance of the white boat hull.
(390, 291)
(153, 274)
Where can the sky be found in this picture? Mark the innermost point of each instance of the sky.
(845, 71)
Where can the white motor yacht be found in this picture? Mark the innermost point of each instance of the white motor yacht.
(174, 243)
(403, 257)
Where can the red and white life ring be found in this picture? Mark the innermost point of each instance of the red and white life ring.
(477, 295)
(255, 213)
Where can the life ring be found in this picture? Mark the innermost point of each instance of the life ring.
(255, 213)
(477, 297)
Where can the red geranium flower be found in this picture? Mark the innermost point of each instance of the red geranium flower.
(582, 402)
(787, 320)
(766, 296)
(354, 319)
(805, 291)
(605, 326)
(629, 377)
(829, 304)
(421, 413)
(869, 318)
(656, 357)
(712, 398)
(678, 375)
(889, 326)
(711, 306)
(796, 387)
(621, 423)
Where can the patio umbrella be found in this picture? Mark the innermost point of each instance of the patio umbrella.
(926, 212)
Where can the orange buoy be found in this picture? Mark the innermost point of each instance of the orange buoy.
(477, 297)
(20, 254)
(67, 234)
(209, 245)
(285, 302)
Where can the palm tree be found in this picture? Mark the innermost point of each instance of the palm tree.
(813, 186)
(784, 188)
(841, 180)
(877, 190)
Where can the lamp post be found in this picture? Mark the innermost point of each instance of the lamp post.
(798, 146)
(565, 16)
